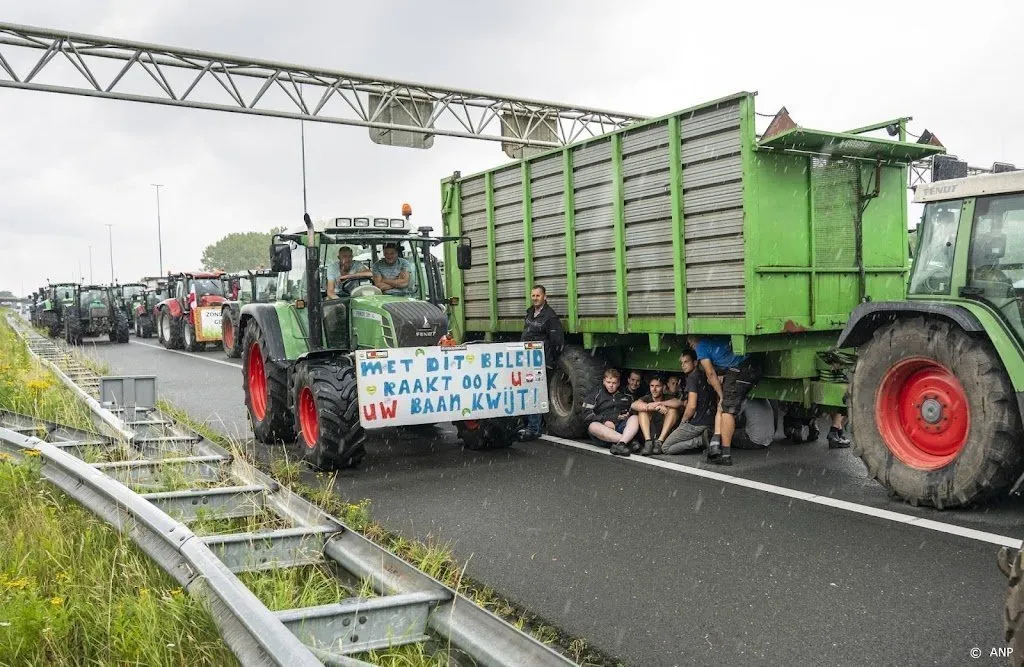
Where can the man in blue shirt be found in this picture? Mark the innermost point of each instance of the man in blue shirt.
(393, 274)
(732, 376)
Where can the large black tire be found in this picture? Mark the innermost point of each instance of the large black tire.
(326, 407)
(1009, 561)
(145, 324)
(120, 328)
(576, 378)
(188, 336)
(72, 327)
(275, 424)
(990, 458)
(496, 433)
(229, 335)
(54, 326)
(170, 329)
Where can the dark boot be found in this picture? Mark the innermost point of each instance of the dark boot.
(714, 448)
(619, 449)
(648, 448)
(657, 448)
(837, 439)
(723, 459)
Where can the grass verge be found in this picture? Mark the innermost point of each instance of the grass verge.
(74, 591)
(434, 558)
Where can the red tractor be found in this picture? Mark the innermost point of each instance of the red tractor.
(190, 317)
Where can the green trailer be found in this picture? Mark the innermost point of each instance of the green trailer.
(688, 224)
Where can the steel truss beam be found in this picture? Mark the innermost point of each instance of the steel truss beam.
(151, 73)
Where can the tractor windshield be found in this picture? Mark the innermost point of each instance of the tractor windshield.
(995, 267)
(933, 262)
(389, 260)
(265, 286)
(129, 292)
(207, 287)
(92, 297)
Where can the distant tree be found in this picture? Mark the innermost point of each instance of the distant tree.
(5, 294)
(239, 251)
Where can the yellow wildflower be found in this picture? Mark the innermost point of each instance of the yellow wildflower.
(32, 452)
(63, 576)
(177, 593)
(17, 583)
(56, 601)
(4, 456)
(144, 592)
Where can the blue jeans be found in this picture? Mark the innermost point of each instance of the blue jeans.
(533, 422)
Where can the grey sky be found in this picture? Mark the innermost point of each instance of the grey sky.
(69, 165)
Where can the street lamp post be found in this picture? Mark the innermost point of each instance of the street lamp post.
(159, 234)
(90, 265)
(110, 240)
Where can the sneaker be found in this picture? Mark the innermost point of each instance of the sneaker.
(648, 449)
(723, 459)
(526, 435)
(634, 447)
(657, 448)
(619, 449)
(714, 449)
(838, 439)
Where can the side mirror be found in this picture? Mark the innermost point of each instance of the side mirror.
(464, 256)
(281, 257)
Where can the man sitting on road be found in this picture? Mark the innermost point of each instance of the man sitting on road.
(393, 274)
(634, 385)
(699, 410)
(608, 418)
(655, 416)
(343, 270)
(673, 387)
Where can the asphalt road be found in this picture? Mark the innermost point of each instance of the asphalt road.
(660, 565)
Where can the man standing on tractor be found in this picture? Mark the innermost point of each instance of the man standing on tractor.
(542, 324)
(343, 270)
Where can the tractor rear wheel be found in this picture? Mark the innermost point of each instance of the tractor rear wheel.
(145, 325)
(576, 377)
(170, 330)
(266, 389)
(119, 328)
(188, 333)
(936, 418)
(229, 336)
(327, 416)
(496, 433)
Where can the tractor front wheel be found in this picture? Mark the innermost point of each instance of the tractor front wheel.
(496, 433)
(120, 328)
(266, 389)
(327, 416)
(72, 327)
(229, 336)
(936, 418)
(188, 331)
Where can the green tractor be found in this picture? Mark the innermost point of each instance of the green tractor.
(95, 312)
(938, 388)
(126, 295)
(253, 286)
(144, 306)
(56, 298)
(297, 352)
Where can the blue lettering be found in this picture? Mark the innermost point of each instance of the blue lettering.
(407, 363)
(493, 404)
(389, 388)
(478, 403)
(415, 406)
(458, 361)
(492, 381)
(538, 358)
(454, 402)
(432, 364)
(485, 360)
(428, 407)
(522, 397)
(404, 388)
(432, 384)
(370, 368)
(392, 368)
(447, 381)
(417, 386)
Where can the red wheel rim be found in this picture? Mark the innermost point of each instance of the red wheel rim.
(257, 382)
(471, 424)
(308, 422)
(923, 413)
(228, 333)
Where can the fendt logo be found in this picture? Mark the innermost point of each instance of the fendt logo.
(946, 189)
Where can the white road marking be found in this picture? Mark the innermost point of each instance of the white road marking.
(187, 354)
(828, 501)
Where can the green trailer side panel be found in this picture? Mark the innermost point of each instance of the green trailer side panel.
(619, 239)
(492, 262)
(572, 286)
(675, 159)
(527, 231)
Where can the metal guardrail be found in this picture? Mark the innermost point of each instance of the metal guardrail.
(412, 607)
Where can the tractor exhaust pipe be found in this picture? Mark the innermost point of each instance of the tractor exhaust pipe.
(314, 305)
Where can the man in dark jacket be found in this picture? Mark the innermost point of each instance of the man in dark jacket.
(542, 324)
(608, 416)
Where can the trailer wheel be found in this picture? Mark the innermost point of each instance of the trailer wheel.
(327, 416)
(938, 422)
(496, 433)
(576, 377)
(170, 330)
(266, 390)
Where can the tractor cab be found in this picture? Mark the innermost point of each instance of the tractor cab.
(378, 280)
(252, 286)
(971, 244)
